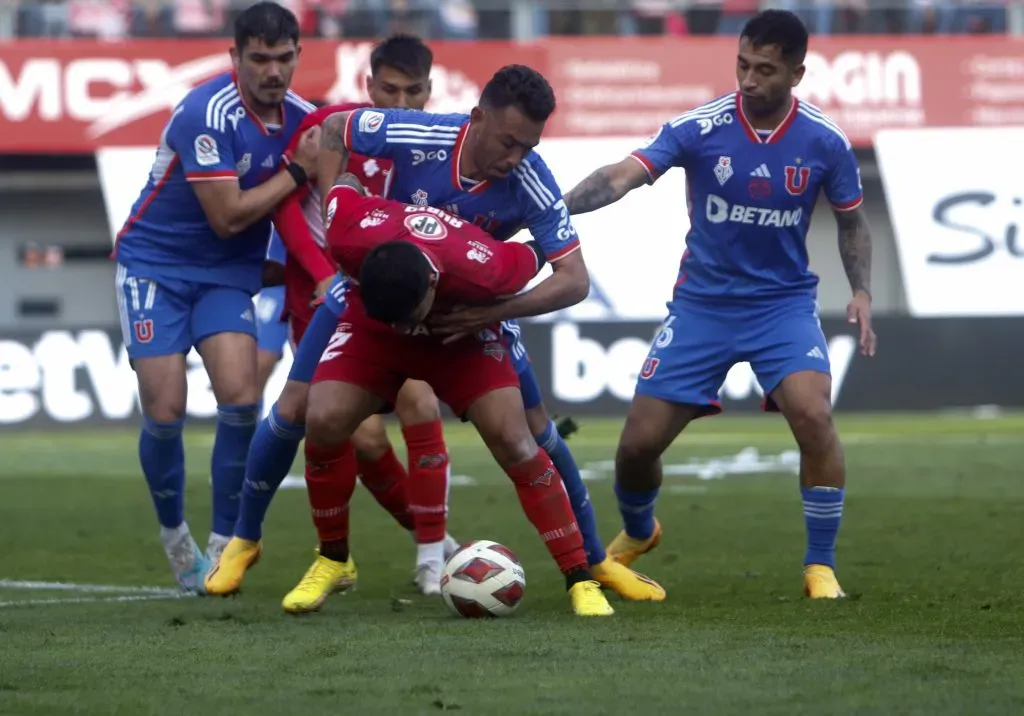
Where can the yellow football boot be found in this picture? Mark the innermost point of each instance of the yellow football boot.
(820, 583)
(320, 581)
(626, 583)
(227, 574)
(625, 549)
(589, 601)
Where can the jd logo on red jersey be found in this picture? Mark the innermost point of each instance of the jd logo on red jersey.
(797, 179)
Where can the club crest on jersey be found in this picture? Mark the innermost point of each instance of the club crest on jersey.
(144, 330)
(370, 168)
(723, 170)
(425, 226)
(244, 164)
(797, 179)
(419, 198)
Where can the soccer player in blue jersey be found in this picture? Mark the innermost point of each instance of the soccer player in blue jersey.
(190, 258)
(271, 328)
(755, 162)
(482, 167)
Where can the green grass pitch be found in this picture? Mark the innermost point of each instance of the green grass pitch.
(930, 552)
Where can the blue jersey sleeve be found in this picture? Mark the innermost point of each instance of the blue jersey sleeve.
(203, 142)
(670, 147)
(383, 133)
(842, 185)
(546, 215)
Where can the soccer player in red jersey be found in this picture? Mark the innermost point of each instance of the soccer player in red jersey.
(411, 260)
(400, 68)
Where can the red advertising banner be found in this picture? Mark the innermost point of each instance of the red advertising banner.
(73, 96)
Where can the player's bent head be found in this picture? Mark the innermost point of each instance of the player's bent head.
(770, 63)
(266, 52)
(396, 283)
(510, 117)
(400, 73)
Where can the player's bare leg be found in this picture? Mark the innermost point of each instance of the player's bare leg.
(163, 391)
(651, 426)
(804, 398)
(501, 422)
(335, 410)
(419, 412)
(612, 575)
(230, 361)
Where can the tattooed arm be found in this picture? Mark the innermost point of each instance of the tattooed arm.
(855, 248)
(333, 157)
(606, 186)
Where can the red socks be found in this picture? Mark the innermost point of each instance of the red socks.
(546, 504)
(331, 480)
(428, 480)
(388, 482)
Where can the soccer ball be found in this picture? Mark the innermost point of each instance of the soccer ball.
(483, 579)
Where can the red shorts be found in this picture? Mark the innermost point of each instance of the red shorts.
(378, 359)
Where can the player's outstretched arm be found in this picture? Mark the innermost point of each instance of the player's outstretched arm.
(606, 186)
(333, 157)
(231, 210)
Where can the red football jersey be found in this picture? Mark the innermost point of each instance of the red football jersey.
(298, 219)
(473, 267)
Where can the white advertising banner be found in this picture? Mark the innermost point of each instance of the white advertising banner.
(956, 202)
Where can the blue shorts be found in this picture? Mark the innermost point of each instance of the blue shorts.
(271, 330)
(163, 316)
(528, 385)
(697, 345)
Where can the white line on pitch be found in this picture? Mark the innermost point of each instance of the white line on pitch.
(87, 588)
(94, 600)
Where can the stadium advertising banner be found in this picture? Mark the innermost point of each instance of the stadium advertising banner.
(82, 377)
(76, 95)
(955, 200)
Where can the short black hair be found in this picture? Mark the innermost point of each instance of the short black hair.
(522, 87)
(778, 27)
(406, 53)
(393, 280)
(266, 21)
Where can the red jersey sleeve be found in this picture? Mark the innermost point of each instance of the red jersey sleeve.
(290, 221)
(498, 268)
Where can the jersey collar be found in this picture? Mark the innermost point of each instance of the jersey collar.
(457, 162)
(252, 115)
(776, 134)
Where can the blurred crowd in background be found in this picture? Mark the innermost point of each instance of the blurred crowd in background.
(495, 19)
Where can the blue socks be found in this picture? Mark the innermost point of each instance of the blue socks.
(162, 455)
(235, 427)
(579, 498)
(637, 509)
(271, 455)
(823, 511)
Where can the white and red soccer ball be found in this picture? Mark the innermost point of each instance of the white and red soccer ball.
(483, 579)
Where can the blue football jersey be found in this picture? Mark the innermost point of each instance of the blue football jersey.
(425, 150)
(750, 196)
(210, 136)
(276, 251)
